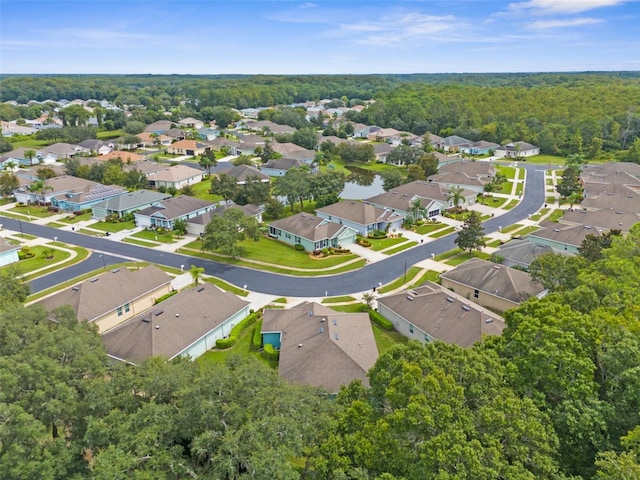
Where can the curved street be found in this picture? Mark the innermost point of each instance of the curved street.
(385, 271)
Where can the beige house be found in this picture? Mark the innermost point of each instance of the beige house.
(491, 285)
(176, 176)
(188, 147)
(431, 313)
(320, 346)
(129, 293)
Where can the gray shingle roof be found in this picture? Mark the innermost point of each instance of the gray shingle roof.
(176, 207)
(131, 200)
(184, 318)
(309, 227)
(359, 212)
(322, 347)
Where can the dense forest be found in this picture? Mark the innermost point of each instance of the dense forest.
(557, 396)
(563, 113)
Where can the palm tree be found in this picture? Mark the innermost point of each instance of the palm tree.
(208, 160)
(30, 155)
(368, 298)
(417, 210)
(196, 273)
(455, 196)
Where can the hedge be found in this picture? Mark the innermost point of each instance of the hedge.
(379, 320)
(270, 353)
(257, 335)
(165, 296)
(230, 341)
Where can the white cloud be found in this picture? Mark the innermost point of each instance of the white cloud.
(308, 5)
(563, 6)
(402, 28)
(572, 22)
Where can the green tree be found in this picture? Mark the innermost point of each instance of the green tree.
(556, 271)
(180, 226)
(8, 183)
(470, 237)
(306, 138)
(456, 197)
(391, 179)
(592, 245)
(208, 160)
(254, 191)
(224, 233)
(12, 290)
(224, 185)
(196, 273)
(294, 185)
(569, 183)
(273, 208)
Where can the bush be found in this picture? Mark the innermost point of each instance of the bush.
(270, 353)
(326, 252)
(299, 247)
(165, 296)
(231, 340)
(380, 321)
(363, 242)
(257, 335)
(341, 250)
(24, 253)
(377, 234)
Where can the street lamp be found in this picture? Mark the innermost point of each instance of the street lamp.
(405, 272)
(21, 231)
(104, 265)
(55, 239)
(202, 241)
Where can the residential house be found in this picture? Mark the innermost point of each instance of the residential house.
(562, 237)
(521, 252)
(332, 139)
(188, 147)
(360, 130)
(27, 157)
(208, 133)
(125, 157)
(619, 173)
(453, 143)
(9, 129)
(97, 146)
(130, 292)
(63, 151)
(291, 150)
(225, 145)
(384, 135)
(8, 253)
(432, 313)
(185, 325)
(159, 127)
(382, 151)
(279, 167)
(162, 214)
(361, 217)
(269, 127)
(176, 134)
(196, 225)
(603, 219)
(190, 122)
(243, 172)
(149, 139)
(67, 193)
(146, 167)
(320, 346)
(480, 147)
(129, 202)
(313, 233)
(434, 198)
(176, 176)
(491, 285)
(434, 139)
(613, 196)
(517, 150)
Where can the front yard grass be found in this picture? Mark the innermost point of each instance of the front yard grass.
(378, 244)
(39, 261)
(81, 254)
(428, 276)
(442, 233)
(140, 243)
(152, 235)
(400, 248)
(527, 230)
(32, 211)
(113, 227)
(509, 172)
(511, 228)
(72, 219)
(400, 281)
(556, 215)
(428, 227)
(342, 299)
(464, 256)
(537, 216)
(511, 204)
(226, 286)
(491, 201)
(447, 254)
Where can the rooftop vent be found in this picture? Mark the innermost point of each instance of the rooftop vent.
(157, 327)
(146, 320)
(450, 299)
(466, 307)
(94, 280)
(497, 267)
(321, 329)
(200, 289)
(177, 314)
(336, 337)
(158, 313)
(556, 230)
(115, 270)
(488, 320)
(75, 289)
(409, 297)
(335, 322)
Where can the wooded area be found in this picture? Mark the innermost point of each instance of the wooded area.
(557, 396)
(563, 113)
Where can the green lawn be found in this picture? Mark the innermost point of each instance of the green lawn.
(39, 261)
(56, 225)
(28, 141)
(201, 190)
(491, 201)
(494, 243)
(112, 227)
(509, 172)
(72, 219)
(511, 204)
(226, 286)
(541, 159)
(279, 300)
(166, 237)
(342, 299)
(385, 339)
(382, 243)
(400, 281)
(428, 276)
(555, 215)
(519, 188)
(140, 243)
(32, 211)
(109, 134)
(527, 230)
(400, 248)
(91, 233)
(511, 228)
(447, 254)
(506, 187)
(540, 214)
(243, 348)
(464, 256)
(442, 233)
(81, 254)
(551, 200)
(428, 227)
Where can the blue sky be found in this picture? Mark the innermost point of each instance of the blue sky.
(318, 37)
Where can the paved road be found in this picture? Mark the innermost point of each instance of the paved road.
(383, 271)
